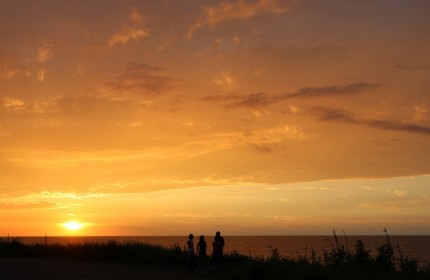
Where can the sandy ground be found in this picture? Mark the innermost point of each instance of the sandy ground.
(34, 269)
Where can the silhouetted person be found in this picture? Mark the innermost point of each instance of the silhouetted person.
(221, 240)
(201, 251)
(217, 249)
(201, 247)
(190, 250)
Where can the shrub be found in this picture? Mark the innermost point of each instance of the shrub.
(337, 263)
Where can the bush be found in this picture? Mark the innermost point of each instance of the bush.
(337, 263)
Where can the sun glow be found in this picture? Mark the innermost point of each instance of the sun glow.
(73, 225)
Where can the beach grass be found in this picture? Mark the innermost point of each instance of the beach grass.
(340, 262)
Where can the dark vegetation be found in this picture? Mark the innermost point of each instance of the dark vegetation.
(340, 262)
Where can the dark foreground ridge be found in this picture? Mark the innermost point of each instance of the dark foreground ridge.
(133, 260)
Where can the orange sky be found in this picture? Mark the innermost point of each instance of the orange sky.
(249, 117)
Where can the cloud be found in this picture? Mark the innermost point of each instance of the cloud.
(240, 9)
(264, 99)
(44, 52)
(24, 202)
(29, 205)
(68, 110)
(224, 81)
(135, 31)
(420, 112)
(399, 193)
(126, 34)
(235, 40)
(7, 73)
(11, 103)
(407, 127)
(166, 43)
(141, 79)
(41, 75)
(254, 100)
(413, 67)
(265, 141)
(331, 114)
(44, 200)
(311, 92)
(337, 115)
(135, 16)
(32, 106)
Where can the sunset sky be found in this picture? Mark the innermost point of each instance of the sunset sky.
(250, 117)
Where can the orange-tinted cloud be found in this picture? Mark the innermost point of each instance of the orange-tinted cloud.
(10, 103)
(44, 52)
(133, 31)
(8, 73)
(263, 99)
(41, 75)
(414, 67)
(338, 115)
(141, 79)
(28, 205)
(135, 16)
(240, 9)
(126, 34)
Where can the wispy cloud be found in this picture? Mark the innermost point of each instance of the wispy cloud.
(211, 215)
(41, 75)
(268, 139)
(310, 92)
(407, 127)
(135, 16)
(420, 112)
(126, 34)
(240, 9)
(133, 31)
(166, 43)
(337, 115)
(399, 193)
(44, 52)
(263, 99)
(331, 114)
(9, 103)
(8, 73)
(413, 67)
(141, 79)
(44, 200)
(224, 81)
(35, 106)
(27, 205)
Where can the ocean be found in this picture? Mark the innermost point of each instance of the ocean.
(415, 246)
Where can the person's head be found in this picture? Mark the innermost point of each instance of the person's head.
(218, 233)
(191, 236)
(202, 238)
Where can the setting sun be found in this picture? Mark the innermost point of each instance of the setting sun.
(73, 225)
